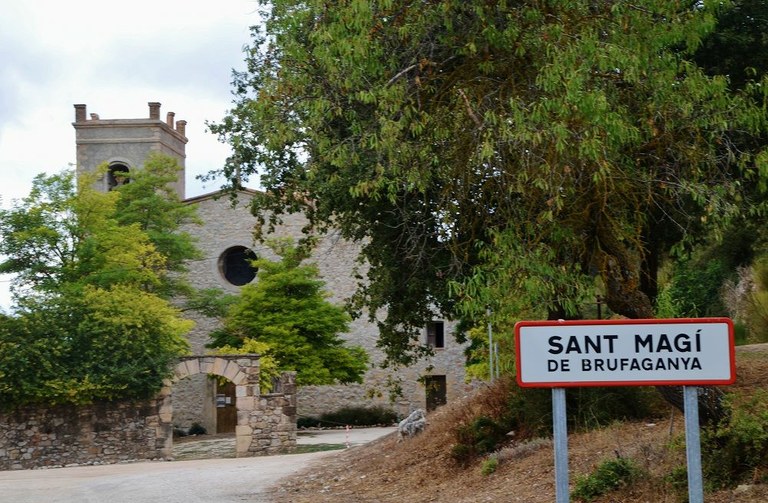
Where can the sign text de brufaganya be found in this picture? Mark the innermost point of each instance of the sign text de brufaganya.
(625, 352)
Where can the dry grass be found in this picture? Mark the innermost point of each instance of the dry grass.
(422, 470)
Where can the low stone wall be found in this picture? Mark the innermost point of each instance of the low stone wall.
(35, 437)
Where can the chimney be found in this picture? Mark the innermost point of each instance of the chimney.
(169, 118)
(79, 113)
(154, 110)
(181, 127)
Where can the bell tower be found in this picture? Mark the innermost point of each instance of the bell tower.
(124, 144)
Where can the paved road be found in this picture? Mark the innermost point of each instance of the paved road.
(197, 481)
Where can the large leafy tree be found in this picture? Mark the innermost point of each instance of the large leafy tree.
(87, 323)
(150, 202)
(502, 153)
(287, 309)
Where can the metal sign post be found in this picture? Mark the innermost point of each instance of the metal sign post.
(561, 445)
(673, 352)
(693, 444)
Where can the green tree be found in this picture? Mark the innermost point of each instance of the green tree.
(150, 202)
(86, 324)
(287, 309)
(738, 47)
(65, 234)
(495, 153)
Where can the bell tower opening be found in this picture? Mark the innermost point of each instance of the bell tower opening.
(118, 174)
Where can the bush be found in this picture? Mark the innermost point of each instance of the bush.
(479, 437)
(351, 416)
(506, 407)
(489, 465)
(197, 429)
(608, 476)
(738, 447)
(91, 345)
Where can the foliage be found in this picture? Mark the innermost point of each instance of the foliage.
(287, 309)
(739, 47)
(150, 202)
(747, 298)
(100, 344)
(197, 429)
(505, 407)
(608, 476)
(489, 465)
(695, 288)
(268, 366)
(477, 357)
(351, 416)
(88, 324)
(737, 448)
(481, 436)
(494, 152)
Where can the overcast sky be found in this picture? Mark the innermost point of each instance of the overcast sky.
(115, 57)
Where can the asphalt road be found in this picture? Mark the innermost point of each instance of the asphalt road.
(196, 481)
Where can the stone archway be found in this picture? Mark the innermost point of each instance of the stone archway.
(266, 423)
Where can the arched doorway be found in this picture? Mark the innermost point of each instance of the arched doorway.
(266, 423)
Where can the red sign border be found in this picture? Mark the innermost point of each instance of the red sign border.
(650, 321)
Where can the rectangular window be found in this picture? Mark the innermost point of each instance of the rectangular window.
(436, 334)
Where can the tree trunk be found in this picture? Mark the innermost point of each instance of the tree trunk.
(624, 296)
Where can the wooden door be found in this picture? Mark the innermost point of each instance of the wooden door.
(436, 391)
(226, 411)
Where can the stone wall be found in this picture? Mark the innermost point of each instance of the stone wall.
(34, 437)
(226, 226)
(272, 429)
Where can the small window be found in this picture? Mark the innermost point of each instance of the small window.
(436, 334)
(117, 175)
(236, 267)
(436, 389)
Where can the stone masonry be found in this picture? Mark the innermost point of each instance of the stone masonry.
(112, 432)
(226, 226)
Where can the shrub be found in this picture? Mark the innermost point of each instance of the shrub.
(738, 447)
(480, 436)
(506, 407)
(352, 416)
(608, 476)
(197, 429)
(489, 465)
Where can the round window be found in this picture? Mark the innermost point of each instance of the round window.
(235, 265)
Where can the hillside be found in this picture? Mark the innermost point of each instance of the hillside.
(421, 469)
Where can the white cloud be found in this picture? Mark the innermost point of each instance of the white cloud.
(114, 57)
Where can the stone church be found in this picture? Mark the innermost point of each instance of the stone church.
(225, 237)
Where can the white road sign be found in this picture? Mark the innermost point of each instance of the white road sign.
(687, 352)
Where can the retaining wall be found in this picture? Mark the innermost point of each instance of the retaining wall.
(34, 437)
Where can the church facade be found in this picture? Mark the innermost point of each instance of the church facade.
(225, 238)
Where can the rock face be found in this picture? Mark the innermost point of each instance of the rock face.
(412, 425)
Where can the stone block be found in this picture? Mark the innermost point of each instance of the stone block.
(231, 371)
(193, 366)
(246, 403)
(242, 445)
(242, 429)
(240, 377)
(245, 390)
(219, 365)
